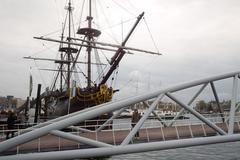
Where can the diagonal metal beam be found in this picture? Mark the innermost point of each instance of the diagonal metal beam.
(189, 103)
(236, 109)
(61, 118)
(198, 115)
(217, 100)
(159, 118)
(142, 120)
(156, 115)
(198, 93)
(110, 119)
(80, 129)
(79, 139)
(117, 150)
(233, 105)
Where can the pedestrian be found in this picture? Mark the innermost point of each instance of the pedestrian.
(10, 124)
(135, 118)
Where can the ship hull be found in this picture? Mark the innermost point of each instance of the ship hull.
(83, 99)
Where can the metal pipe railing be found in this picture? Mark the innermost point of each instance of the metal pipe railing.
(150, 123)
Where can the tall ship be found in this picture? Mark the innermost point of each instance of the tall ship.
(67, 94)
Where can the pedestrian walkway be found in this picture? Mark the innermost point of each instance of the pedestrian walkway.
(53, 143)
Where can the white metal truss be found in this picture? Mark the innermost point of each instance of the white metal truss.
(98, 148)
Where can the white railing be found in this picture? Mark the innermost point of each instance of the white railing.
(122, 124)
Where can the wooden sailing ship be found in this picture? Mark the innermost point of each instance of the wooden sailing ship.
(65, 95)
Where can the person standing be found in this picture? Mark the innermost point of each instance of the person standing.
(10, 124)
(135, 119)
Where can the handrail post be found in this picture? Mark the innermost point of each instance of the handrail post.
(233, 105)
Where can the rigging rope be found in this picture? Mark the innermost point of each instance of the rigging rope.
(133, 6)
(154, 43)
(95, 6)
(73, 27)
(84, 74)
(62, 29)
(58, 12)
(77, 77)
(56, 31)
(55, 75)
(116, 76)
(105, 56)
(99, 67)
(44, 83)
(81, 14)
(103, 69)
(102, 73)
(123, 8)
(54, 80)
(126, 84)
(120, 23)
(43, 50)
(107, 21)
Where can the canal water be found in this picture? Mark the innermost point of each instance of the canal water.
(223, 151)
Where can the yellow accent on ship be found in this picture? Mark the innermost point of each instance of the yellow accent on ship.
(95, 96)
(102, 95)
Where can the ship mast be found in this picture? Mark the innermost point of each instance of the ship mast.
(69, 45)
(89, 37)
(61, 64)
(120, 53)
(68, 50)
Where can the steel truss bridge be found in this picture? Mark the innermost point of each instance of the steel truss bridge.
(227, 131)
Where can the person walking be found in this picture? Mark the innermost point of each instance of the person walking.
(135, 119)
(10, 124)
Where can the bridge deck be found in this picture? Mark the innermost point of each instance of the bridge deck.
(53, 143)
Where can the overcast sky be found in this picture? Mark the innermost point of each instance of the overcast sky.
(198, 38)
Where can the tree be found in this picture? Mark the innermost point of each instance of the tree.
(201, 106)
